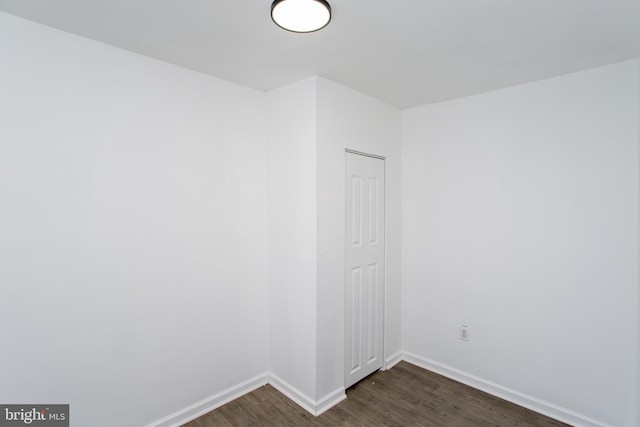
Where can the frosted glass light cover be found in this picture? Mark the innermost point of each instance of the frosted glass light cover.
(301, 16)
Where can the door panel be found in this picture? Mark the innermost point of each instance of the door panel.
(364, 267)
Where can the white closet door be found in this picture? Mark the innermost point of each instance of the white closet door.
(364, 275)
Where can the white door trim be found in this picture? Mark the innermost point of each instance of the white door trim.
(360, 153)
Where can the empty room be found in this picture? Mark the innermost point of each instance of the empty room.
(310, 212)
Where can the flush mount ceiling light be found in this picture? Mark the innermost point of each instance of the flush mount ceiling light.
(301, 16)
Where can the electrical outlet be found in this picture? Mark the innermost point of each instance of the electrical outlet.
(464, 333)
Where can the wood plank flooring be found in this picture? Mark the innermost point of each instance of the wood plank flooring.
(403, 396)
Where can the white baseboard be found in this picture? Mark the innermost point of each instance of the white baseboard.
(292, 393)
(200, 408)
(521, 399)
(315, 408)
(330, 400)
(392, 360)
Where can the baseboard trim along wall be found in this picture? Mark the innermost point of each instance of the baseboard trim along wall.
(521, 399)
(315, 408)
(200, 408)
(392, 360)
(330, 400)
(292, 393)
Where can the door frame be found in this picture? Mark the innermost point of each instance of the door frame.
(384, 287)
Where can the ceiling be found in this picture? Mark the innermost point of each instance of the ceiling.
(404, 52)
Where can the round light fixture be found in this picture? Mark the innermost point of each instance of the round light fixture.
(301, 16)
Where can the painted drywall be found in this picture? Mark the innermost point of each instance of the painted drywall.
(348, 119)
(520, 220)
(638, 291)
(291, 177)
(309, 125)
(133, 224)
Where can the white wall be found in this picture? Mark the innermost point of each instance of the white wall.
(348, 119)
(309, 125)
(521, 221)
(291, 172)
(638, 307)
(132, 224)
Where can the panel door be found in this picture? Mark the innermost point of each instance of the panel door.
(364, 266)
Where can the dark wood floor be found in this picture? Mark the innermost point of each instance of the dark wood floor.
(403, 396)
